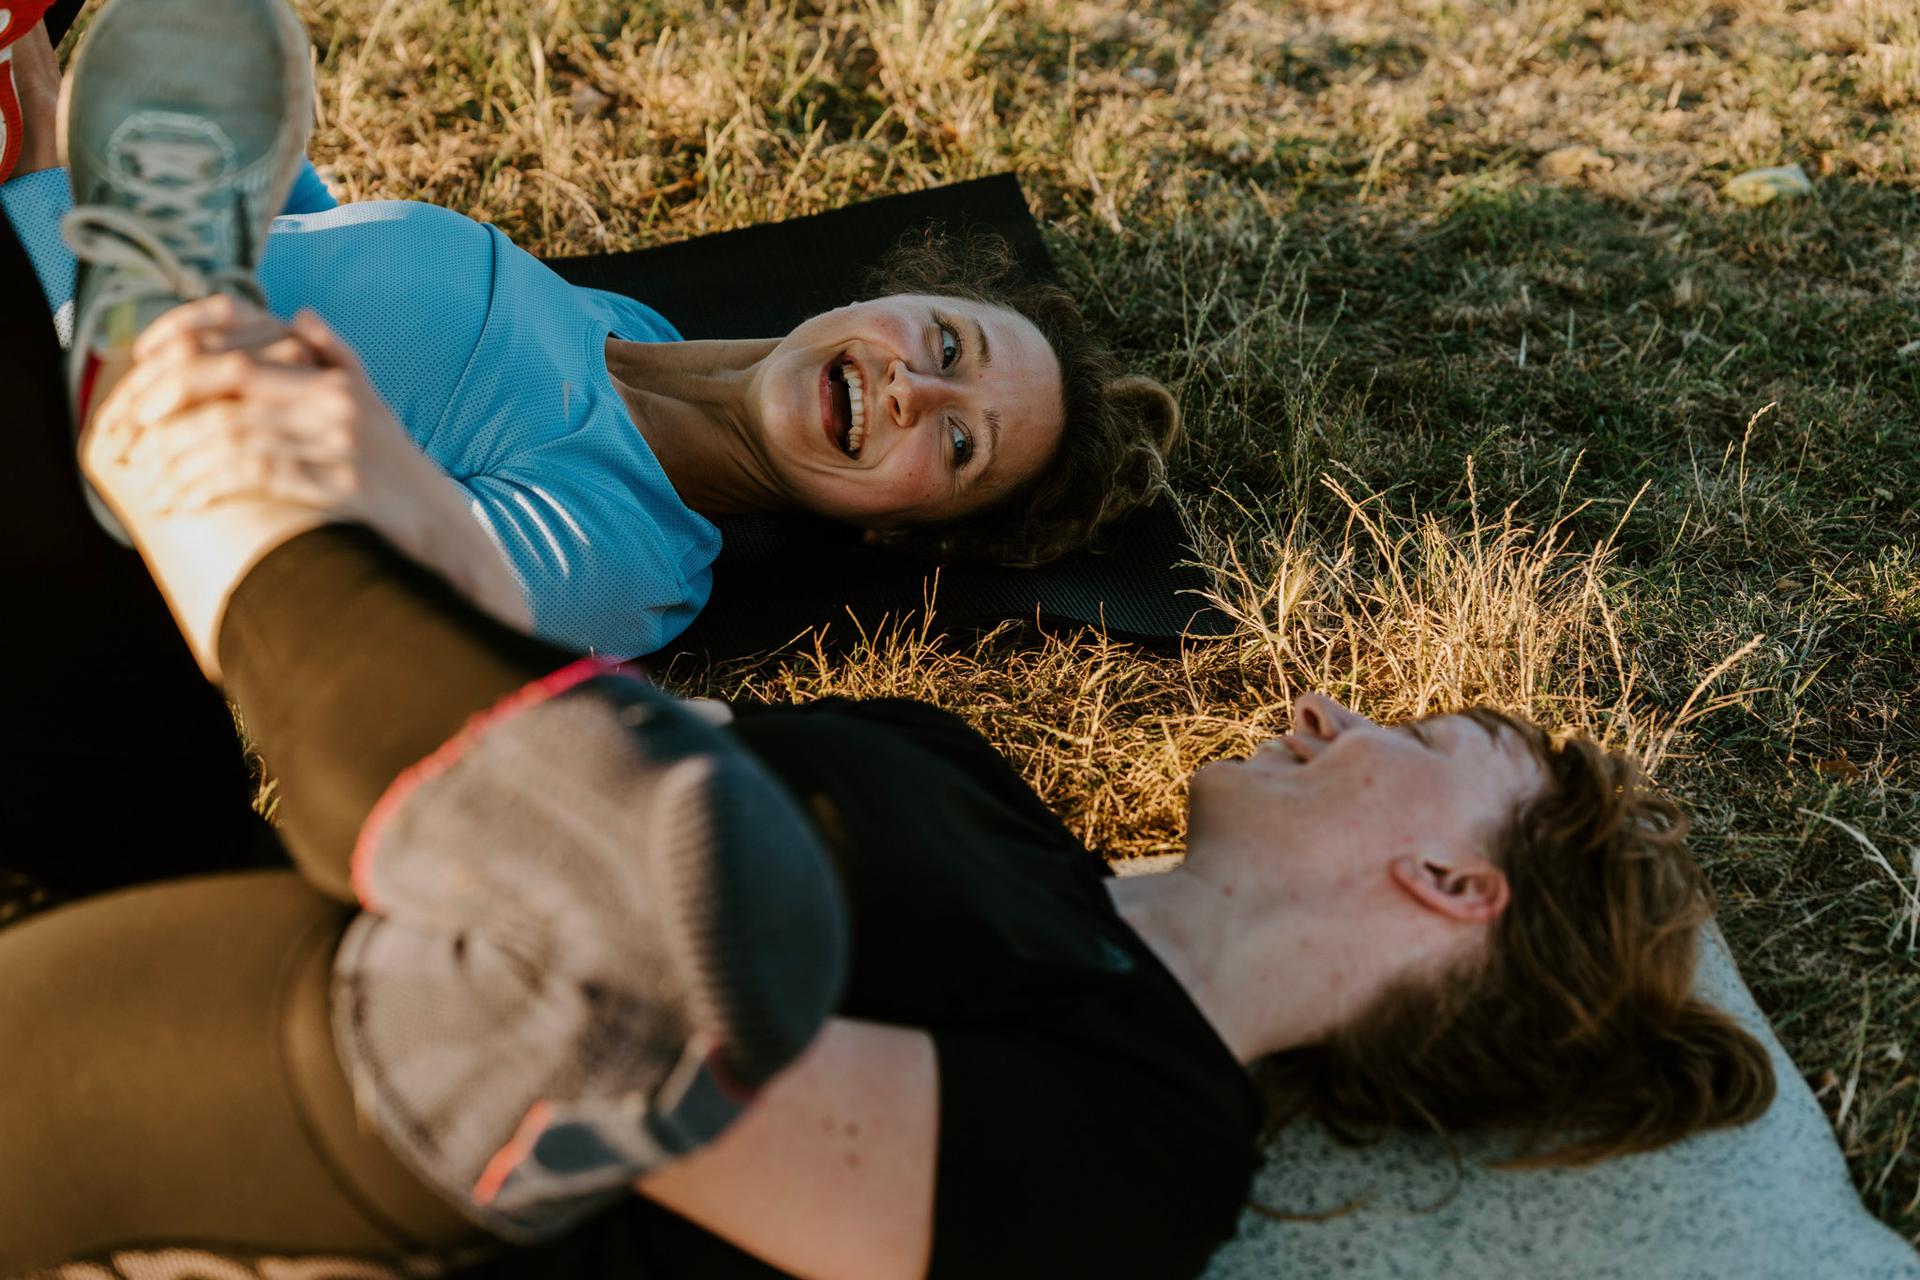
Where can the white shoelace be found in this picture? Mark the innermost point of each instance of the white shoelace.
(146, 247)
(145, 250)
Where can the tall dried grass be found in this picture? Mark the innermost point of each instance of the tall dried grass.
(1470, 345)
(1399, 615)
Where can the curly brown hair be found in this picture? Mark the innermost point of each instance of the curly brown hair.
(1117, 429)
(1577, 1025)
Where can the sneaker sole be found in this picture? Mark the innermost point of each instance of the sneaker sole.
(595, 925)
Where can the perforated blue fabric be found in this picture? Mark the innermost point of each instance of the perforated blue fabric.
(497, 368)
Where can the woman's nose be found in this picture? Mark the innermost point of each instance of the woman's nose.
(910, 395)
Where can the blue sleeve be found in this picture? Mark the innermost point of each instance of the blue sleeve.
(309, 194)
(601, 574)
(34, 204)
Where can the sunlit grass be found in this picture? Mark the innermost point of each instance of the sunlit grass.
(1492, 396)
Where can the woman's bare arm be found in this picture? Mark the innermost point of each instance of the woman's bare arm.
(36, 79)
(831, 1172)
(215, 448)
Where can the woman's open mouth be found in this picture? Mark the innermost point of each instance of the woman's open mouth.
(842, 406)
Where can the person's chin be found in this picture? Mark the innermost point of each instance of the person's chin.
(810, 500)
(1211, 774)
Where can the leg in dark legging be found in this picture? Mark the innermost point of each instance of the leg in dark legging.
(587, 825)
(171, 1079)
(184, 1085)
(110, 733)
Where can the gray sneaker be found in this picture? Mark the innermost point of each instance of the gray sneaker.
(183, 124)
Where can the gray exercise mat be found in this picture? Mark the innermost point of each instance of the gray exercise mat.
(1770, 1201)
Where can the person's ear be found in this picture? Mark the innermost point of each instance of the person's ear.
(1470, 890)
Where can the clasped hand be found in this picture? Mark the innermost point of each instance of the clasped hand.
(233, 432)
(225, 402)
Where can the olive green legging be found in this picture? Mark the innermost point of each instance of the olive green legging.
(167, 1073)
(169, 1077)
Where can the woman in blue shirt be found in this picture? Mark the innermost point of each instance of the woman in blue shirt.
(591, 445)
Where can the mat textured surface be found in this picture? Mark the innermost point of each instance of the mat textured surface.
(1768, 1201)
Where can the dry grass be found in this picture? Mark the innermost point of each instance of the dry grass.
(1493, 396)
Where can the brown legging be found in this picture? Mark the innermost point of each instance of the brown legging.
(169, 1077)
(166, 1074)
(169, 1074)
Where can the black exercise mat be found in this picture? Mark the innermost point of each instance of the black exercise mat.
(759, 282)
(778, 577)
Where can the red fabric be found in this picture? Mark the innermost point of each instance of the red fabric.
(11, 122)
(22, 16)
(25, 15)
(88, 377)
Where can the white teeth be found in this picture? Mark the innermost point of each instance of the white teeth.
(857, 431)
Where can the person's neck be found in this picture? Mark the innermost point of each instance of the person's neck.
(1217, 937)
(691, 403)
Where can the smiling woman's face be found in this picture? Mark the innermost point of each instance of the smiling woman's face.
(907, 410)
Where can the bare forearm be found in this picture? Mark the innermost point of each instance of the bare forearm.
(233, 432)
(441, 533)
(36, 78)
(830, 1173)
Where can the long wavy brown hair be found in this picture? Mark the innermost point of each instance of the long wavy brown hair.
(1117, 431)
(1577, 1026)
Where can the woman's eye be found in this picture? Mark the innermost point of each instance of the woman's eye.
(962, 444)
(949, 347)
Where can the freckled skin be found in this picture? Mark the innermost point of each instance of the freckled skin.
(1358, 849)
(905, 473)
(1462, 786)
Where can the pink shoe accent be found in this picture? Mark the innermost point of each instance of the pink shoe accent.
(17, 18)
(84, 401)
(511, 1156)
(11, 121)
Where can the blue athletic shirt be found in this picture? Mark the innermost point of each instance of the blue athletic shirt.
(497, 368)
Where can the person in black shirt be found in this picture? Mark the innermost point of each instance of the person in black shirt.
(1035, 1070)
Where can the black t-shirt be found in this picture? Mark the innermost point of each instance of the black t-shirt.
(1091, 1122)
